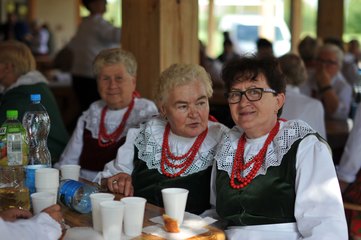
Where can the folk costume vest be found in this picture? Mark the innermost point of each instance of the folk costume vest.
(148, 179)
(270, 196)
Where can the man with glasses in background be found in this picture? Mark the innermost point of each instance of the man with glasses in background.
(328, 84)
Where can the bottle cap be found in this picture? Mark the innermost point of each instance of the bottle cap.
(12, 114)
(35, 97)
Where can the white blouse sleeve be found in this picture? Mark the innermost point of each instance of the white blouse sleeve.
(124, 159)
(350, 162)
(40, 227)
(319, 209)
(74, 147)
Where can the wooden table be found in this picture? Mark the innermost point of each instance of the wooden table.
(74, 219)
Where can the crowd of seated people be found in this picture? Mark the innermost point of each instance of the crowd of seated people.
(266, 98)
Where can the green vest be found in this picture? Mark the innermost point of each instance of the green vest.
(268, 199)
(148, 183)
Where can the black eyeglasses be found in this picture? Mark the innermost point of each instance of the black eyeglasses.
(252, 94)
(326, 61)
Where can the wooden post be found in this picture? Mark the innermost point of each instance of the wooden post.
(159, 33)
(296, 24)
(330, 18)
(210, 27)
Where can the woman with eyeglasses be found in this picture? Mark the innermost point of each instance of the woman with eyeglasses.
(176, 149)
(273, 178)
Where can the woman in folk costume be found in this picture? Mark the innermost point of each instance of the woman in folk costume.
(274, 179)
(175, 149)
(101, 130)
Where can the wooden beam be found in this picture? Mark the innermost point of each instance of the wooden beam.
(330, 18)
(159, 33)
(211, 27)
(296, 24)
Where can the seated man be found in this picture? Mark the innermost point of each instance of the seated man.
(328, 84)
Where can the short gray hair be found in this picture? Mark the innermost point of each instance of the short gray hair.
(328, 47)
(115, 56)
(178, 75)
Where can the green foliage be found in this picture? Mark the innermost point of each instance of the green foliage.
(352, 21)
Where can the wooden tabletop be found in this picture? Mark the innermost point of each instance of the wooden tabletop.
(74, 219)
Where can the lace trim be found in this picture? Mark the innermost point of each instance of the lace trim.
(143, 110)
(290, 132)
(149, 144)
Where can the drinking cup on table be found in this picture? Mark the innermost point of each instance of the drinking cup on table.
(30, 176)
(96, 199)
(47, 180)
(175, 200)
(112, 219)
(133, 215)
(42, 200)
(70, 171)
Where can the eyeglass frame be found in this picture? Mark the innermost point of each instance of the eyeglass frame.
(266, 90)
(327, 62)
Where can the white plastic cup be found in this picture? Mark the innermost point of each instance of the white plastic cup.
(46, 178)
(175, 200)
(42, 200)
(96, 199)
(70, 171)
(133, 218)
(112, 219)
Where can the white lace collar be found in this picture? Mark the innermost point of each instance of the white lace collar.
(150, 139)
(290, 132)
(113, 118)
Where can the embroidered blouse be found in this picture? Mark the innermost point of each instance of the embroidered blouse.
(90, 120)
(318, 207)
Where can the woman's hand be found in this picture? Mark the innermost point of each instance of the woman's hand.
(121, 183)
(54, 211)
(12, 214)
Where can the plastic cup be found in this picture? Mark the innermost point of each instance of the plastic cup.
(47, 178)
(133, 215)
(30, 176)
(70, 171)
(96, 199)
(112, 219)
(175, 200)
(42, 200)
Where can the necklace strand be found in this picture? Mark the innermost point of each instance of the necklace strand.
(239, 165)
(188, 156)
(105, 139)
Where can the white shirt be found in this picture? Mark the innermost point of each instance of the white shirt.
(300, 106)
(343, 91)
(93, 35)
(39, 227)
(350, 162)
(142, 111)
(319, 208)
(178, 145)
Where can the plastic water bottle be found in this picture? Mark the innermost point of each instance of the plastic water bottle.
(76, 195)
(36, 121)
(13, 141)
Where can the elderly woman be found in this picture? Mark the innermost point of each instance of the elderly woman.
(174, 150)
(20, 79)
(101, 130)
(273, 179)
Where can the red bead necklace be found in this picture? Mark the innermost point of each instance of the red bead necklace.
(238, 162)
(190, 155)
(105, 139)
